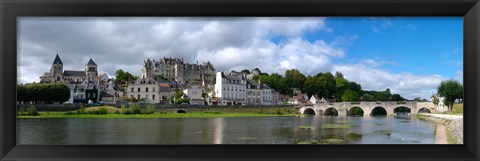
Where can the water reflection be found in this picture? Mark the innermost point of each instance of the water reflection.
(244, 130)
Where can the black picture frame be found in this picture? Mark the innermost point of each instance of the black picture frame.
(11, 9)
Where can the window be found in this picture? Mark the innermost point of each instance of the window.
(153, 89)
(146, 89)
(138, 89)
(138, 97)
(131, 90)
(153, 97)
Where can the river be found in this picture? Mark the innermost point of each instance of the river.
(236, 130)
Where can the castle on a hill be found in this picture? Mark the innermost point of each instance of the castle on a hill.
(176, 69)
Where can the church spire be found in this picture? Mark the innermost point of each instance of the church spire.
(91, 62)
(57, 60)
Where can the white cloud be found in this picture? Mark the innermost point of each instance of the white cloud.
(379, 23)
(124, 43)
(411, 27)
(406, 84)
(459, 76)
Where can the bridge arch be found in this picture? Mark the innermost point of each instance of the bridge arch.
(331, 111)
(309, 111)
(181, 111)
(423, 110)
(355, 111)
(403, 109)
(378, 111)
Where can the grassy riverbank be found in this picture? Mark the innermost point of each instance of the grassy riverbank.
(105, 112)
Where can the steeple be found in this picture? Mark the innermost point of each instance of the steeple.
(91, 62)
(57, 60)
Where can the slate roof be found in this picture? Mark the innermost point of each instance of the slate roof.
(91, 62)
(57, 60)
(145, 81)
(165, 89)
(230, 77)
(74, 73)
(105, 94)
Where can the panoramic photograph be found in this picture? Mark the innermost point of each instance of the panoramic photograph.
(239, 80)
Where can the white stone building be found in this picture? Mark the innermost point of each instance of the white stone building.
(194, 92)
(230, 89)
(314, 99)
(144, 89)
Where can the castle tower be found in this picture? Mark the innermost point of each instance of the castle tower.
(90, 69)
(57, 69)
(147, 69)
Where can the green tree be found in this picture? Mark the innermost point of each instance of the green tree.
(368, 97)
(450, 90)
(435, 100)
(54, 92)
(350, 95)
(178, 94)
(397, 97)
(338, 75)
(327, 84)
(246, 71)
(294, 78)
(123, 77)
(311, 87)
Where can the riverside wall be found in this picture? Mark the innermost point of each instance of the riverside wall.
(454, 123)
(71, 107)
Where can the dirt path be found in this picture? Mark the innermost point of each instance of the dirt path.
(441, 135)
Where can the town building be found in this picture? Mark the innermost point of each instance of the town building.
(109, 91)
(299, 99)
(176, 69)
(194, 91)
(259, 94)
(143, 89)
(230, 88)
(315, 99)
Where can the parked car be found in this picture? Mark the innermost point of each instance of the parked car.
(96, 103)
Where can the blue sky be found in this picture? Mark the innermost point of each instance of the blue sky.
(422, 45)
(409, 55)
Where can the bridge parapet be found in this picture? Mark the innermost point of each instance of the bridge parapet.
(367, 107)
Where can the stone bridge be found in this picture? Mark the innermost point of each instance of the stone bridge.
(368, 108)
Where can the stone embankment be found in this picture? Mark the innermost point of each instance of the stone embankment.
(454, 123)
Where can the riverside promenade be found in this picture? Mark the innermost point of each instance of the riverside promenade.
(454, 124)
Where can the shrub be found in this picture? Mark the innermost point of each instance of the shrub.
(260, 111)
(102, 110)
(21, 111)
(71, 113)
(82, 110)
(32, 111)
(279, 112)
(150, 109)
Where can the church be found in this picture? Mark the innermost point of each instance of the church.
(58, 75)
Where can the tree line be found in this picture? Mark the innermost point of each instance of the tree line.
(53, 92)
(324, 85)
